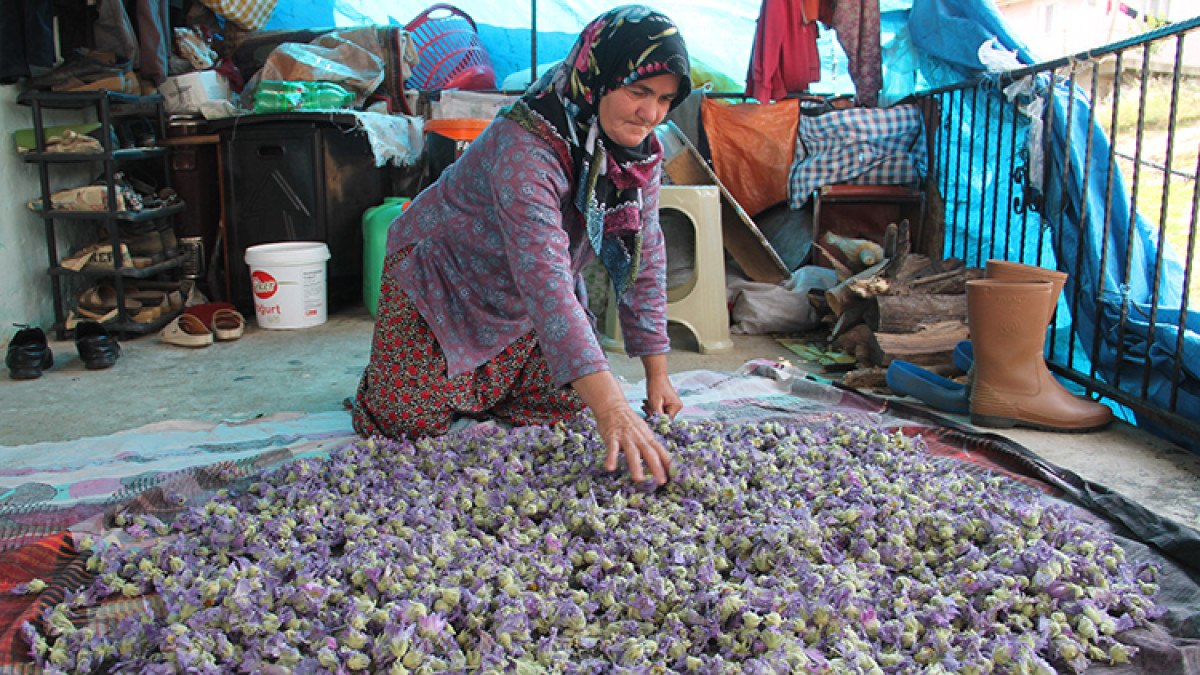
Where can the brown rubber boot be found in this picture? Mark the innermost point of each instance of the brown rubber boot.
(1013, 386)
(1005, 270)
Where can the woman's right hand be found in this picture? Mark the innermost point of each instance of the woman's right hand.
(624, 431)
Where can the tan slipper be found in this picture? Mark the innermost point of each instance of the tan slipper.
(77, 260)
(186, 331)
(228, 324)
(100, 316)
(101, 301)
(155, 302)
(102, 258)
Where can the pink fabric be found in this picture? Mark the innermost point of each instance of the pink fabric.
(857, 26)
(785, 58)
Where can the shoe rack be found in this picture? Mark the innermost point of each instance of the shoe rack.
(111, 108)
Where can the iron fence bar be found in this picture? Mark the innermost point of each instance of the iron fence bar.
(996, 173)
(942, 145)
(1162, 217)
(1027, 193)
(970, 166)
(1012, 174)
(983, 168)
(945, 114)
(1058, 234)
(1177, 371)
(1109, 176)
(1047, 146)
(1085, 220)
(957, 134)
(1132, 225)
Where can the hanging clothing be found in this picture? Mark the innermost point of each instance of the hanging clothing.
(26, 38)
(154, 40)
(784, 58)
(857, 26)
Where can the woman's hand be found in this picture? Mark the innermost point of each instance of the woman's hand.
(622, 429)
(661, 398)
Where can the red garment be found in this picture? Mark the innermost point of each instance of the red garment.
(785, 58)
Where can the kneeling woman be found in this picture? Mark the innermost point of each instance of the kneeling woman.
(480, 308)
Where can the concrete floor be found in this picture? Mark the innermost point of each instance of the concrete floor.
(315, 369)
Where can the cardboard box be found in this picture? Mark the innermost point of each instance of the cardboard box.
(183, 94)
(742, 239)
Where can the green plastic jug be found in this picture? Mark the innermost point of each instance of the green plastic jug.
(375, 222)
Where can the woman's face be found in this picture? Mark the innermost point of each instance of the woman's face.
(629, 114)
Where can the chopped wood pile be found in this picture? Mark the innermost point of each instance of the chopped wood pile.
(905, 306)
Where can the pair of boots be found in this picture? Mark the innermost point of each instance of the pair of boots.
(1008, 312)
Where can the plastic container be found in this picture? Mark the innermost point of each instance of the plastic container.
(375, 222)
(276, 96)
(447, 139)
(450, 53)
(288, 280)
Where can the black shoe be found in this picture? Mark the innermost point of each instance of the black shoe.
(28, 354)
(96, 346)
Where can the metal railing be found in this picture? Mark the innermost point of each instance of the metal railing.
(1088, 164)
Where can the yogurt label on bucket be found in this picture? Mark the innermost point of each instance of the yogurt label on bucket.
(264, 284)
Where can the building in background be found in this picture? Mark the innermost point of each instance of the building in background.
(1056, 28)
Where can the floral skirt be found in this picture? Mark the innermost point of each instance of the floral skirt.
(405, 392)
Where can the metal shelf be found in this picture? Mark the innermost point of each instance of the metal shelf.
(108, 106)
(127, 327)
(126, 271)
(68, 100)
(125, 216)
(121, 155)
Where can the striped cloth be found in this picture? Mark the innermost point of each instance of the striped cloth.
(880, 146)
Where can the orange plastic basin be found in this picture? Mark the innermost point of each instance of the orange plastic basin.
(457, 128)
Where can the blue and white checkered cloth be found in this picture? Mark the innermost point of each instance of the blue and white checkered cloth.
(880, 146)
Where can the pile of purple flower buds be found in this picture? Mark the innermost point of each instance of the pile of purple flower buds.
(775, 548)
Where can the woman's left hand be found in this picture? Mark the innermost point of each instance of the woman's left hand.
(661, 397)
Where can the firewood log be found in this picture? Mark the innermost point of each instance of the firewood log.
(932, 344)
(909, 313)
(839, 297)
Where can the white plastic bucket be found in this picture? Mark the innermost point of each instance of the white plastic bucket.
(288, 281)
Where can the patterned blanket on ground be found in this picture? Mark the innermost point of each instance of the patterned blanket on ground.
(53, 493)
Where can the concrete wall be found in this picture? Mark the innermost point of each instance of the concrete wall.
(25, 294)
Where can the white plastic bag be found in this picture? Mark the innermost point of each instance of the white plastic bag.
(760, 308)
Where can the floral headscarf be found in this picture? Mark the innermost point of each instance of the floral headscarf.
(619, 47)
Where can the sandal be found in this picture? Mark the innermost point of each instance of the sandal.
(102, 298)
(228, 324)
(222, 318)
(154, 303)
(186, 331)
